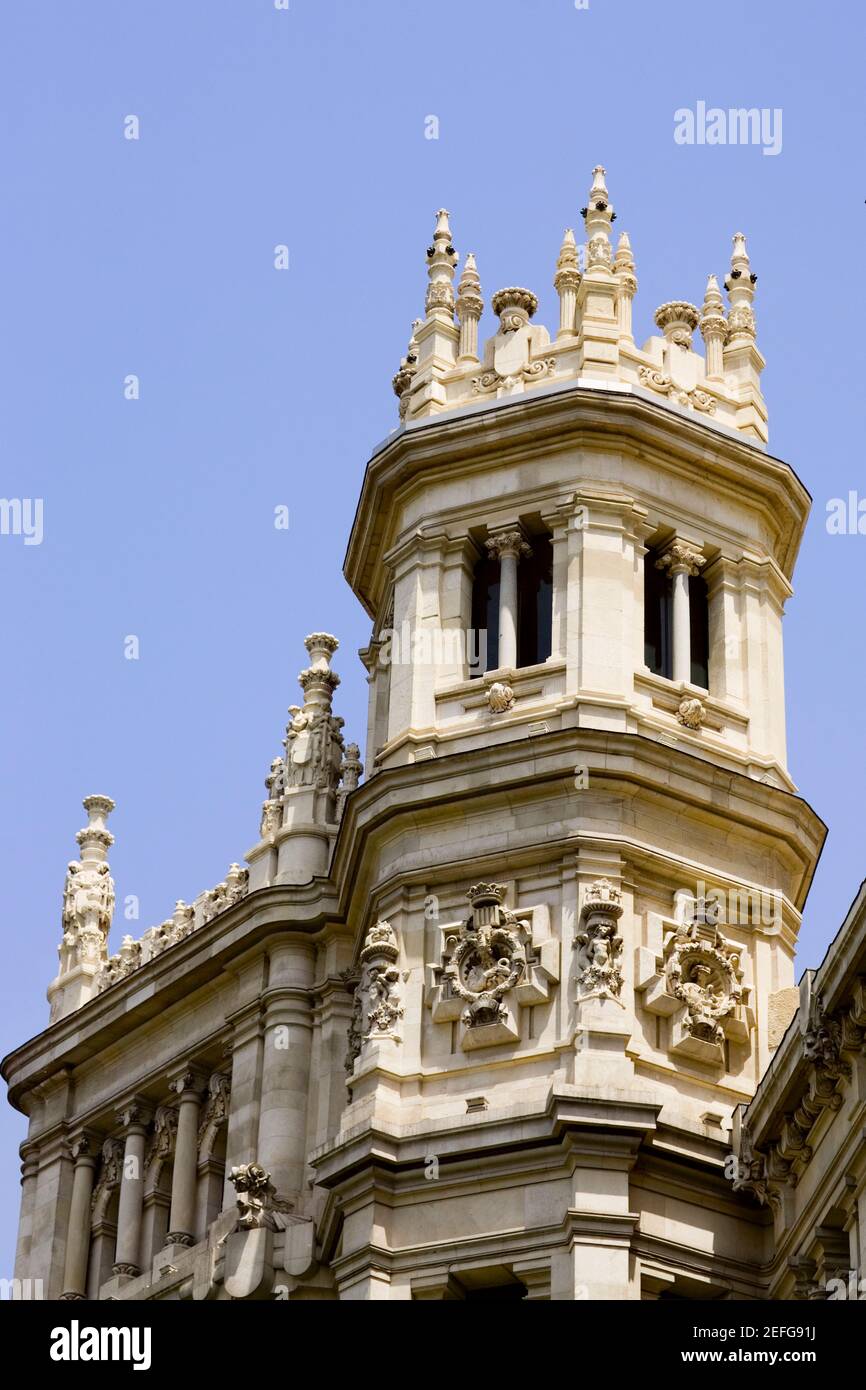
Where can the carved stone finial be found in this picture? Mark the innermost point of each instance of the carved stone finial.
(515, 307)
(441, 263)
(678, 320)
(598, 215)
(740, 285)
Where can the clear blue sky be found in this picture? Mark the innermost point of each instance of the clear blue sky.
(261, 388)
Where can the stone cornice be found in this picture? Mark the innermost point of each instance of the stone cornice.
(625, 760)
(579, 416)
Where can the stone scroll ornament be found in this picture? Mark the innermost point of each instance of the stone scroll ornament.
(486, 958)
(598, 943)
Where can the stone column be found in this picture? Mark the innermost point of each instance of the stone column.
(288, 1030)
(134, 1118)
(85, 1148)
(681, 561)
(189, 1084)
(508, 546)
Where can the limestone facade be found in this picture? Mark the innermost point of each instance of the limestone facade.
(484, 1023)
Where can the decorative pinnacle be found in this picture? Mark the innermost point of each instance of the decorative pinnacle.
(568, 264)
(599, 187)
(470, 303)
(96, 838)
(598, 216)
(713, 321)
(624, 259)
(740, 284)
(441, 262)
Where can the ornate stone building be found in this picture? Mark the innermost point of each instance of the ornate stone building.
(480, 1024)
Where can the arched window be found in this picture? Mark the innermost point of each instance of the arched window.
(534, 606)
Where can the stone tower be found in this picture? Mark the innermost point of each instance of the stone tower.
(478, 1024)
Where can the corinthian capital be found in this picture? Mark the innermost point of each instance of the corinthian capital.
(509, 542)
(680, 558)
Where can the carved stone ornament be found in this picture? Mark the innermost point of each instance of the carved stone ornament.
(500, 697)
(704, 972)
(599, 944)
(750, 1172)
(659, 381)
(492, 964)
(257, 1198)
(214, 1115)
(691, 712)
(488, 958)
(377, 1007)
(678, 321)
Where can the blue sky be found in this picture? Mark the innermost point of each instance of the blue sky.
(261, 388)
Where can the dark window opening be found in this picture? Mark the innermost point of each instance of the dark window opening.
(658, 648)
(534, 607)
(700, 631)
(485, 614)
(658, 624)
(535, 603)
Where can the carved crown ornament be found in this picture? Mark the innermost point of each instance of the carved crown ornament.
(828, 1046)
(697, 983)
(491, 964)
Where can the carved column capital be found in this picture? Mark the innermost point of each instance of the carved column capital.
(134, 1115)
(681, 558)
(510, 542)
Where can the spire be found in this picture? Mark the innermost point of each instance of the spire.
(598, 296)
(714, 327)
(598, 216)
(626, 286)
(402, 380)
(470, 306)
(740, 284)
(441, 263)
(566, 282)
(437, 336)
